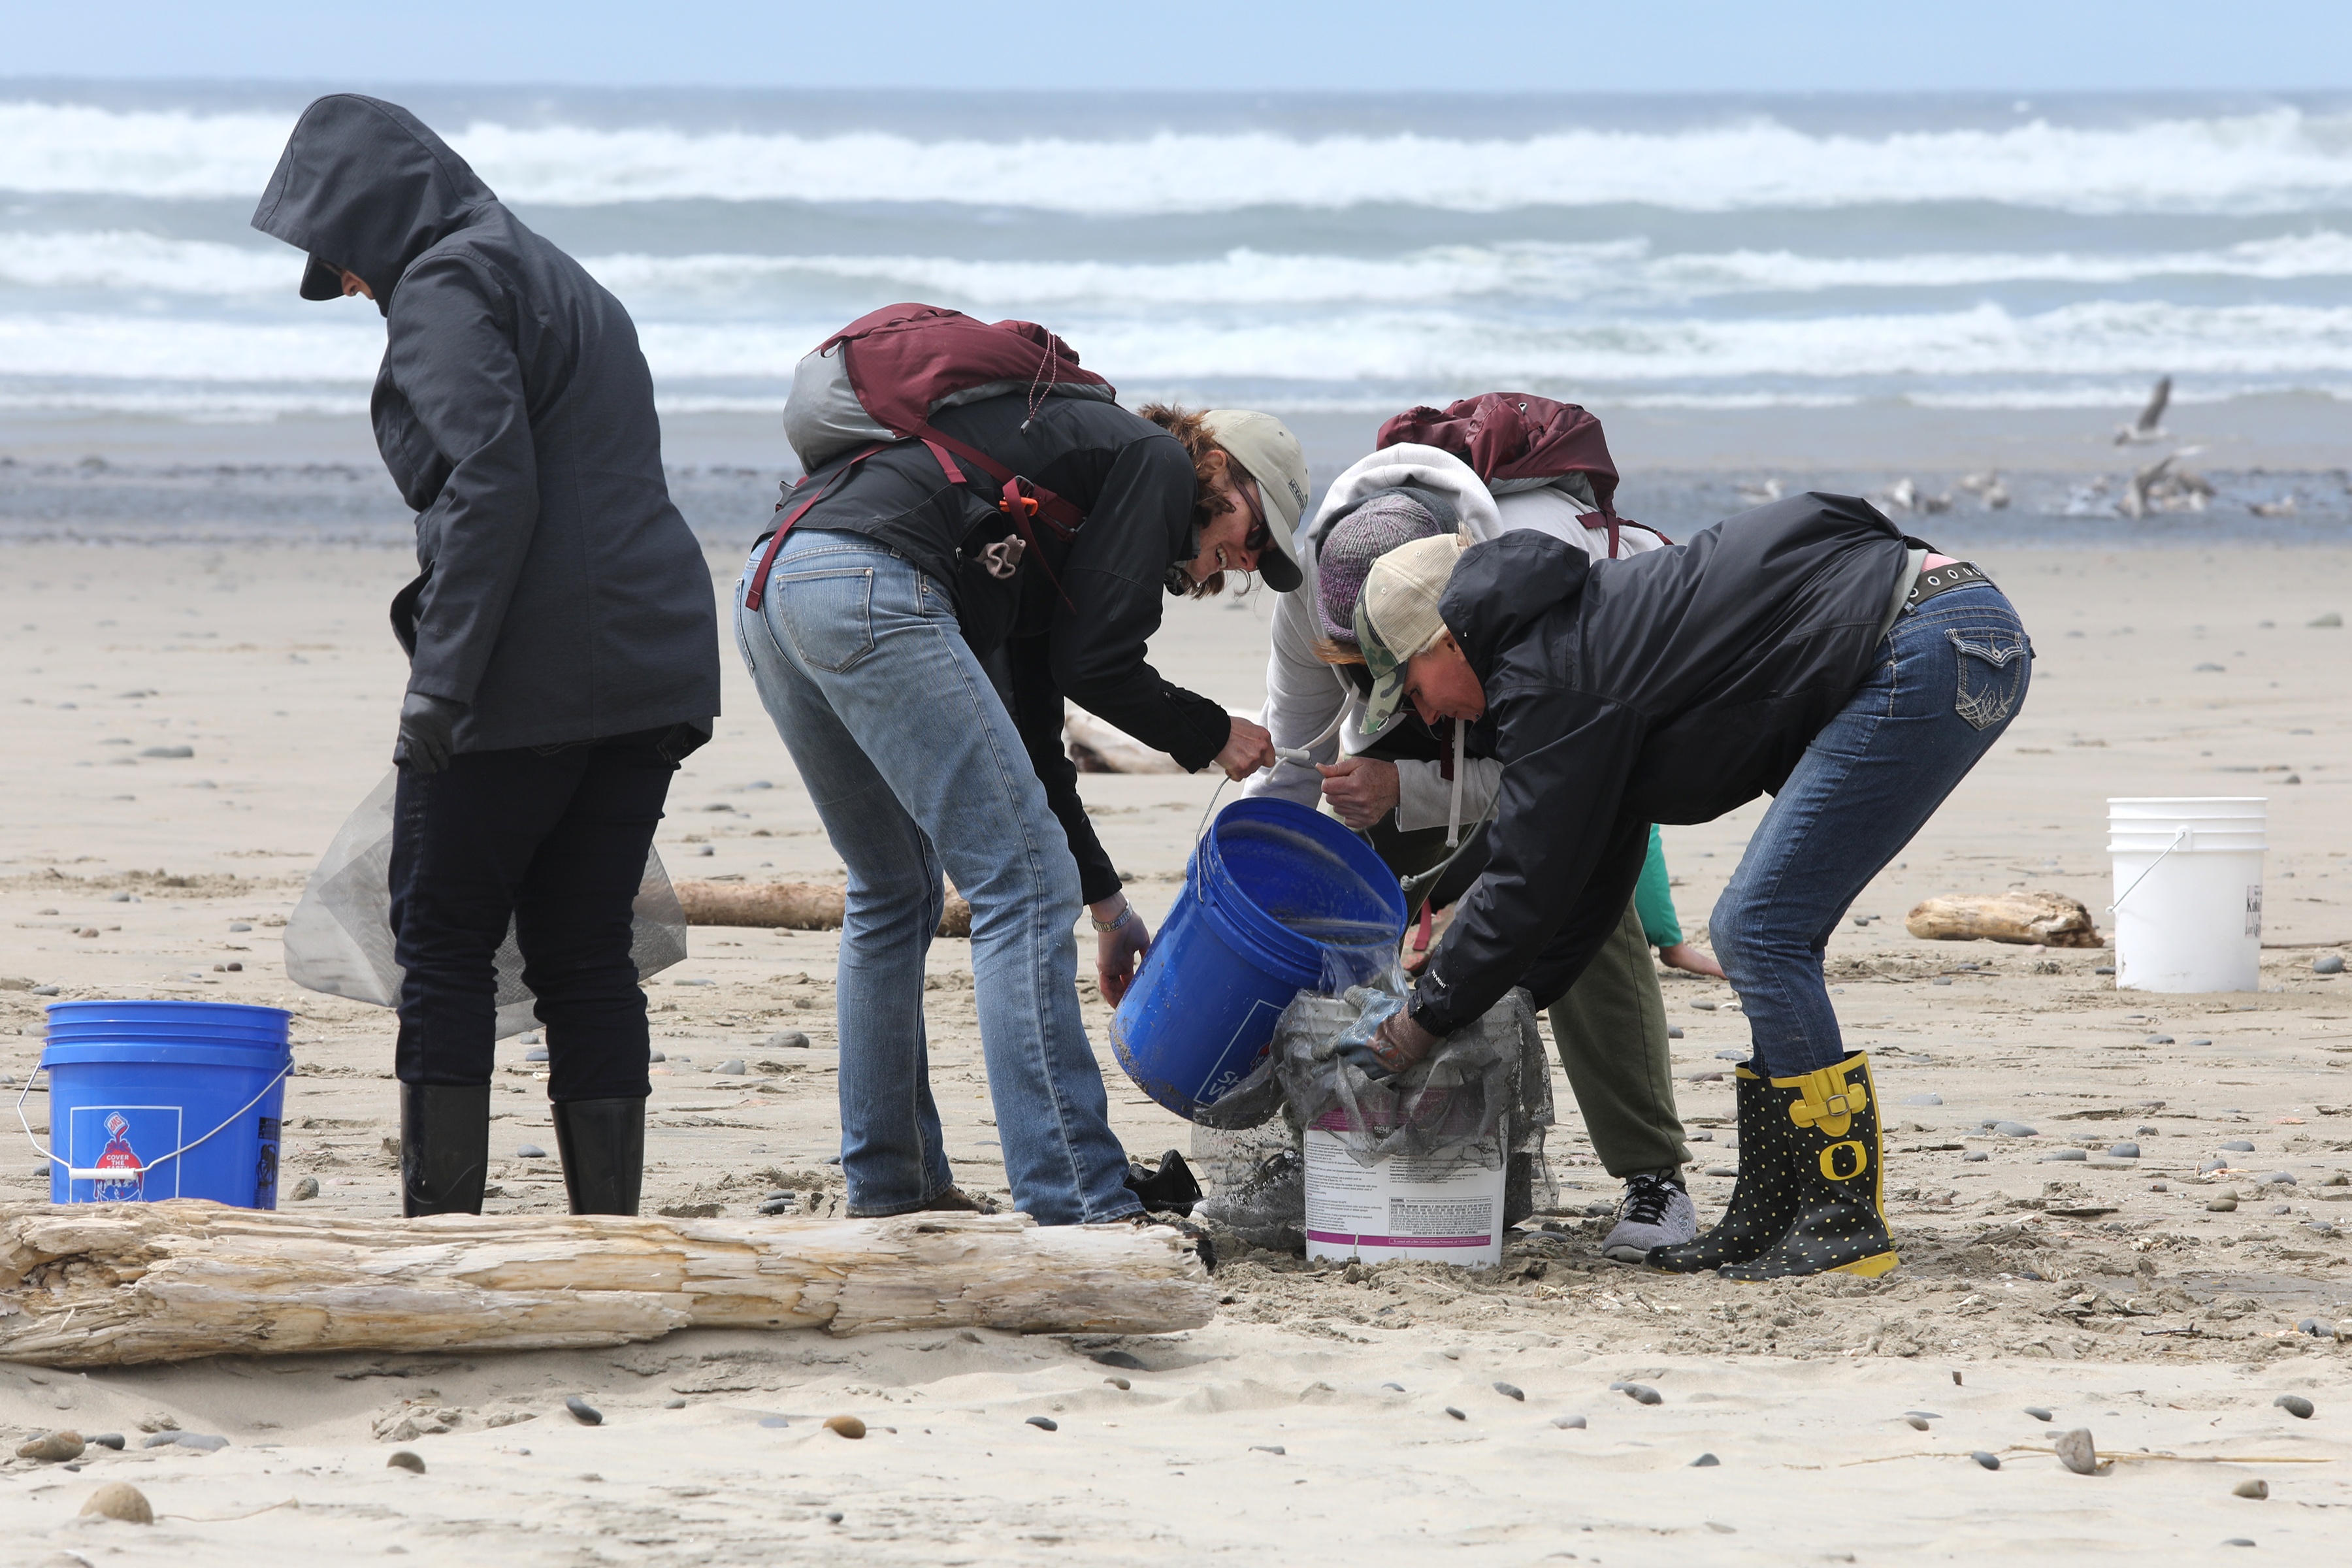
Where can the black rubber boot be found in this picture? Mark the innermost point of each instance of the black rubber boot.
(603, 1145)
(1834, 1174)
(445, 1148)
(1761, 1210)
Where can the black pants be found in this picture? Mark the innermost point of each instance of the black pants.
(553, 839)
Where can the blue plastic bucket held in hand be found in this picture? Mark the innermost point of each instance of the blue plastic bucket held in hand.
(151, 1100)
(1271, 889)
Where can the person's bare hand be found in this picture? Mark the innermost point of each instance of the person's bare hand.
(1119, 952)
(1248, 747)
(1682, 955)
(1361, 790)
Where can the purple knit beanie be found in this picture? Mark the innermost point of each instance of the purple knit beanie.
(1353, 544)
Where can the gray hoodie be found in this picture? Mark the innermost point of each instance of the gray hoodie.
(560, 596)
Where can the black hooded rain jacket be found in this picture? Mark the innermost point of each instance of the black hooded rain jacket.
(1670, 687)
(562, 597)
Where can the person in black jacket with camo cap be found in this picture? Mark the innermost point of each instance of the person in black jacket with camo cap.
(561, 635)
(1806, 650)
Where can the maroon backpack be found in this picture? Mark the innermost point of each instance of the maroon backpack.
(1518, 435)
(878, 381)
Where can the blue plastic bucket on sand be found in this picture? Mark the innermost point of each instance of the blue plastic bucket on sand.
(151, 1100)
(1272, 890)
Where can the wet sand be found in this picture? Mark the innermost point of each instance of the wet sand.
(2076, 1286)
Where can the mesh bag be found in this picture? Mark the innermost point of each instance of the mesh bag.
(338, 938)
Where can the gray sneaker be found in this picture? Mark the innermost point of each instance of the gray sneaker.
(1655, 1212)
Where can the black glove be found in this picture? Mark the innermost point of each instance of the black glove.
(427, 726)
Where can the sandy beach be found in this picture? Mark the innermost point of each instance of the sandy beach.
(1324, 1419)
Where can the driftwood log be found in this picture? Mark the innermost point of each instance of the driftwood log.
(793, 906)
(120, 1284)
(1099, 748)
(2052, 920)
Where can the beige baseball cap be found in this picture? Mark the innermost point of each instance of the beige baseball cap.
(1397, 617)
(1265, 445)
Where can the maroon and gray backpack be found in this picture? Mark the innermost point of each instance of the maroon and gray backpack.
(1515, 438)
(879, 379)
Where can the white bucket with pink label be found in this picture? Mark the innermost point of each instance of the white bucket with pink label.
(1445, 1208)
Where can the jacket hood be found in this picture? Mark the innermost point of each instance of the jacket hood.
(364, 185)
(1502, 586)
(1426, 466)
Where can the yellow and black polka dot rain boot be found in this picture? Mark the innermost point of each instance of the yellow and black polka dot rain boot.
(1758, 1214)
(1835, 1182)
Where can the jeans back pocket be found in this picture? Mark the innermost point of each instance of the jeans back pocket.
(828, 611)
(1992, 663)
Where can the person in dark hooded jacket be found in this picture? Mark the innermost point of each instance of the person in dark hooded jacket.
(1806, 650)
(561, 633)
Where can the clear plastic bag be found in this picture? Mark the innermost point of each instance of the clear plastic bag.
(339, 938)
(1489, 1078)
(1255, 1178)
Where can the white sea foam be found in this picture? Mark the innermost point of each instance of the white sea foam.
(1429, 348)
(1621, 272)
(2276, 160)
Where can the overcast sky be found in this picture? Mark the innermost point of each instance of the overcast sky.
(1694, 45)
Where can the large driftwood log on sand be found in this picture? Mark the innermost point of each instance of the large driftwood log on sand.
(2052, 920)
(1099, 748)
(795, 906)
(119, 1284)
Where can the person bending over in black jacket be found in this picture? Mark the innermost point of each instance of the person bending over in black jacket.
(561, 635)
(921, 700)
(1805, 649)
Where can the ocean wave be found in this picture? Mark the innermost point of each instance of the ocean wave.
(2276, 160)
(1624, 272)
(1435, 347)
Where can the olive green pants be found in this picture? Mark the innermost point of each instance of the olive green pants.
(1610, 1030)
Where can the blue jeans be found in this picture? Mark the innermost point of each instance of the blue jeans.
(1948, 679)
(915, 767)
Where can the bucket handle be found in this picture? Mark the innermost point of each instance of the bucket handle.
(1201, 884)
(76, 1173)
(2177, 839)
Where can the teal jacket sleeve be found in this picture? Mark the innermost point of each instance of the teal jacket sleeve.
(1653, 901)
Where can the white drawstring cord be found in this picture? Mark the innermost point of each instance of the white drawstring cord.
(1454, 812)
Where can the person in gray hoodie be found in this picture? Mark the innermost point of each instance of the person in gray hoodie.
(561, 634)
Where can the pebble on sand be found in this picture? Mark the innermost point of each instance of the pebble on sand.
(2062, 1154)
(1510, 1391)
(108, 1440)
(536, 1054)
(1045, 1423)
(2078, 1453)
(1705, 1461)
(1457, 1414)
(2221, 1205)
(1639, 1392)
(583, 1411)
(2037, 1413)
(2295, 1405)
(1119, 1383)
(772, 1422)
(119, 1500)
(201, 1442)
(847, 1425)
(2256, 1489)
(2239, 1146)
(53, 1447)
(1915, 1423)
(306, 1189)
(530, 1152)
(402, 1460)
(1990, 1461)
(1269, 1448)
(2122, 1152)
(2329, 964)
(1123, 1360)
(790, 1041)
(2014, 1130)
(1568, 1423)
(731, 1068)
(1975, 1157)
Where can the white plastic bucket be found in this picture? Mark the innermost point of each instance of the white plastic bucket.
(2188, 892)
(1445, 1210)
